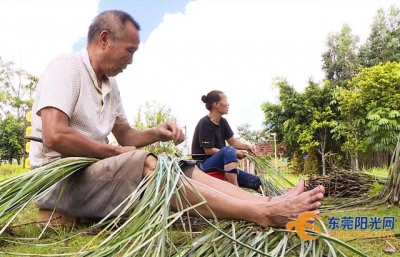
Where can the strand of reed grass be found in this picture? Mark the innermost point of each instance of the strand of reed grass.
(19, 191)
(282, 237)
(133, 227)
(279, 249)
(156, 199)
(272, 186)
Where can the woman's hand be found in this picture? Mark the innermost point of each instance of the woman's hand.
(251, 148)
(240, 155)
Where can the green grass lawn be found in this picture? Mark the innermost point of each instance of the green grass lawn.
(373, 242)
(71, 240)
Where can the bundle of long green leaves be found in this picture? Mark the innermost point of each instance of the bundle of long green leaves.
(146, 230)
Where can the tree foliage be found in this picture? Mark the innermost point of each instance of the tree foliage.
(16, 95)
(284, 116)
(383, 43)
(305, 118)
(316, 132)
(340, 61)
(380, 92)
(350, 124)
(16, 89)
(151, 116)
(354, 112)
(252, 136)
(11, 139)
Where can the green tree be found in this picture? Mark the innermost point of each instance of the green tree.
(284, 116)
(383, 43)
(11, 136)
(251, 136)
(16, 89)
(151, 116)
(304, 119)
(380, 88)
(316, 132)
(350, 126)
(340, 61)
(370, 113)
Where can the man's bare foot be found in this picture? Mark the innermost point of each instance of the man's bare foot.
(279, 213)
(298, 189)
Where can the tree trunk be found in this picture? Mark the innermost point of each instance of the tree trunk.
(356, 164)
(391, 191)
(323, 163)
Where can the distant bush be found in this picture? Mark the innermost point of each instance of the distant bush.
(311, 164)
(297, 163)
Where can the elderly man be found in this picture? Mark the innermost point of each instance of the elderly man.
(78, 104)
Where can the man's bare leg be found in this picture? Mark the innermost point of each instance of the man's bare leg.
(227, 206)
(299, 188)
(266, 214)
(279, 213)
(237, 192)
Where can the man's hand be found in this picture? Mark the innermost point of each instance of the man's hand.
(170, 131)
(125, 149)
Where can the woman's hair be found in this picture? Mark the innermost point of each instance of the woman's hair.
(212, 97)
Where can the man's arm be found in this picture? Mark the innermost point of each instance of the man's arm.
(59, 136)
(127, 136)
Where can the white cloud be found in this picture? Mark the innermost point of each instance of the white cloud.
(34, 32)
(238, 47)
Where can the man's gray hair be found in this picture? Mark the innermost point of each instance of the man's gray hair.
(113, 21)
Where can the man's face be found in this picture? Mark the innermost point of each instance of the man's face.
(120, 53)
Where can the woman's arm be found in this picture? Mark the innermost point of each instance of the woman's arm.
(239, 145)
(232, 141)
(211, 151)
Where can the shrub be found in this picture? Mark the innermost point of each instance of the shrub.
(297, 163)
(311, 163)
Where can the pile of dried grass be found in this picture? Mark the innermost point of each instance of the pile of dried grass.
(343, 183)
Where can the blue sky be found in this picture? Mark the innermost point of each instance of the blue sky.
(189, 48)
(149, 13)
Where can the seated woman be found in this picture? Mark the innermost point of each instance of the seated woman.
(209, 143)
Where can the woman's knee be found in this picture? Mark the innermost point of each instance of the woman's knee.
(229, 153)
